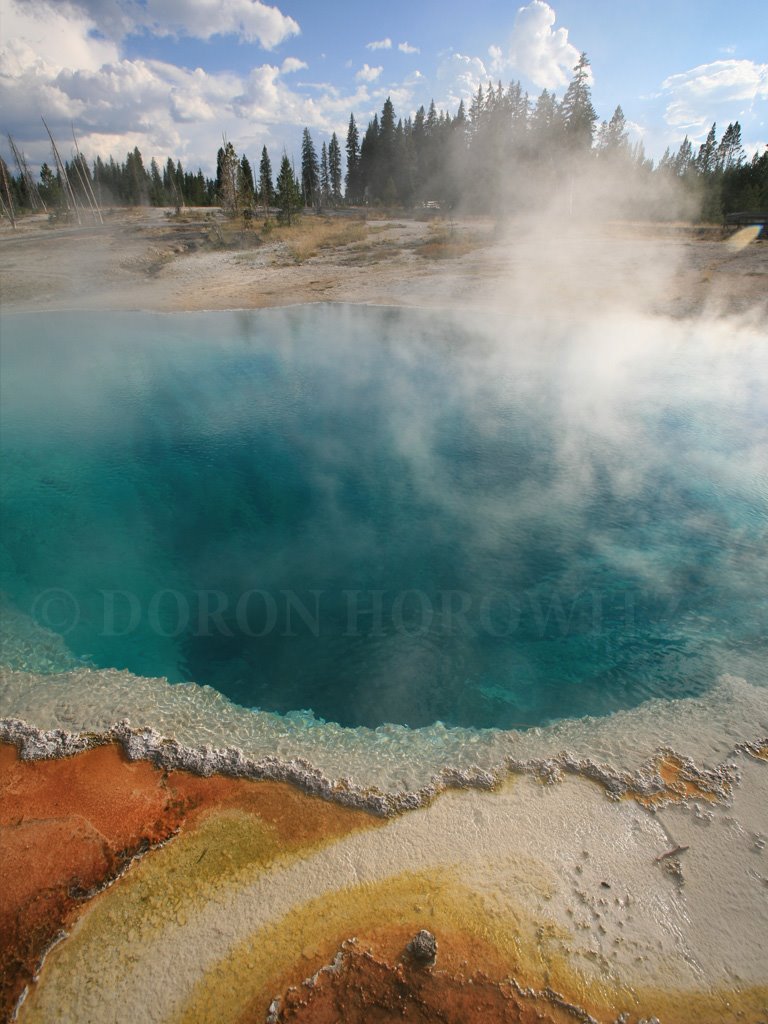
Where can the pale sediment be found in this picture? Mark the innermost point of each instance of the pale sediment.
(657, 751)
(550, 888)
(651, 902)
(647, 783)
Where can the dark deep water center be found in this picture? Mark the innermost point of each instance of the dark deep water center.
(390, 515)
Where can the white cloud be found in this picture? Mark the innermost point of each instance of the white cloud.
(498, 60)
(368, 74)
(722, 80)
(379, 44)
(722, 88)
(407, 48)
(635, 130)
(291, 64)
(536, 50)
(59, 68)
(458, 77)
(250, 20)
(37, 35)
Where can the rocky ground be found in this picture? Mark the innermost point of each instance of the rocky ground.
(151, 259)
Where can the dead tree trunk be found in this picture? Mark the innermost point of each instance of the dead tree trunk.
(8, 201)
(34, 193)
(80, 163)
(69, 194)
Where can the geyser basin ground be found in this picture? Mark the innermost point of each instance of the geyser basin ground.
(388, 516)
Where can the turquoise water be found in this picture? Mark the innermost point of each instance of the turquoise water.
(390, 516)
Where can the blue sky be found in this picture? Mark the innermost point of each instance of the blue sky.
(172, 75)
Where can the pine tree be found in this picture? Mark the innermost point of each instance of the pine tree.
(325, 177)
(168, 178)
(137, 180)
(334, 169)
(460, 121)
(266, 188)
(179, 179)
(418, 153)
(310, 170)
(169, 182)
(730, 153)
(456, 172)
(544, 116)
(367, 166)
(667, 162)
(227, 178)
(430, 125)
(288, 195)
(518, 109)
(578, 114)
(98, 178)
(613, 142)
(438, 138)
(353, 192)
(384, 172)
(709, 167)
(616, 135)
(246, 185)
(476, 112)
(707, 156)
(194, 188)
(110, 179)
(156, 190)
(683, 161)
(50, 189)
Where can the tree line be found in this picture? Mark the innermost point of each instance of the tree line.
(501, 154)
(506, 151)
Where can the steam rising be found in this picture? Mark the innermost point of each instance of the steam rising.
(522, 451)
(599, 326)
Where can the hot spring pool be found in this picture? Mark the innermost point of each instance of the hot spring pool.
(389, 516)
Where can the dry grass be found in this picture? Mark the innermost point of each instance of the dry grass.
(308, 236)
(350, 237)
(373, 252)
(231, 234)
(448, 242)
